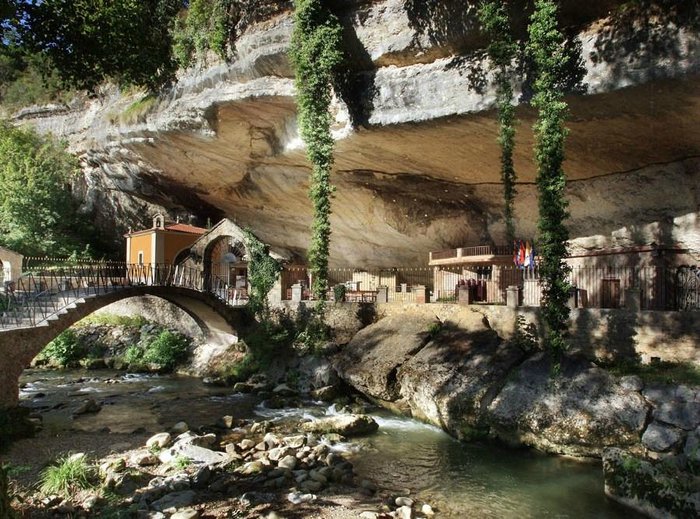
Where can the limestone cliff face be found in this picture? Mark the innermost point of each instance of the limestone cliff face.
(417, 163)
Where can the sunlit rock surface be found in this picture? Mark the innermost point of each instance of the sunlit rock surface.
(419, 170)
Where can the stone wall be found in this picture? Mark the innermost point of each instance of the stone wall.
(596, 333)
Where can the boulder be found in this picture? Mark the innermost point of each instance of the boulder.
(347, 425)
(370, 361)
(659, 437)
(190, 446)
(451, 381)
(580, 412)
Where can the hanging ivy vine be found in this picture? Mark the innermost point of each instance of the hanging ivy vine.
(502, 51)
(547, 51)
(263, 271)
(316, 54)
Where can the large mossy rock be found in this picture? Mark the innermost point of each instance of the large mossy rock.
(579, 412)
(654, 489)
(451, 381)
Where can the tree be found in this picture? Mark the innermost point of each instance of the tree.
(547, 51)
(316, 54)
(38, 215)
(502, 50)
(89, 41)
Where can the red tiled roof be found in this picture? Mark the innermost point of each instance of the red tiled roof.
(183, 227)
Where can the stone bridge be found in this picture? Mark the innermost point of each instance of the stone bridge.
(22, 340)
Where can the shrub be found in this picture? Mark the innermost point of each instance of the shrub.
(64, 349)
(69, 474)
(339, 293)
(133, 354)
(167, 350)
(242, 370)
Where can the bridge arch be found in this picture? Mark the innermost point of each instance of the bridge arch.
(219, 323)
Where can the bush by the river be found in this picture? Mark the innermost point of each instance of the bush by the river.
(114, 341)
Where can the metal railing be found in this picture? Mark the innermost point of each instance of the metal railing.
(658, 288)
(50, 286)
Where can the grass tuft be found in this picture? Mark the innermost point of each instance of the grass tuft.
(68, 474)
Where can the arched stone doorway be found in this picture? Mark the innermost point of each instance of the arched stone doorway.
(226, 268)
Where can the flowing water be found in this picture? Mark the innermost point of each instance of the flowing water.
(461, 480)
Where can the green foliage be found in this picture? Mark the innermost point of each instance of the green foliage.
(263, 271)
(502, 50)
(68, 474)
(64, 349)
(546, 48)
(339, 293)
(167, 350)
(312, 330)
(134, 355)
(434, 329)
(38, 216)
(138, 110)
(316, 55)
(206, 25)
(89, 41)
(132, 321)
(181, 462)
(525, 335)
(29, 79)
(241, 370)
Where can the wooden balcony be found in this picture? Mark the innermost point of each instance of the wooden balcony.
(478, 255)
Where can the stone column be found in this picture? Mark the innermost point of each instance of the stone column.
(464, 296)
(421, 294)
(382, 294)
(297, 291)
(513, 296)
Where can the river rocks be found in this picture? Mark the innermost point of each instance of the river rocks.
(193, 448)
(579, 413)
(370, 361)
(174, 500)
(654, 489)
(159, 441)
(346, 425)
(179, 428)
(659, 437)
(185, 514)
(86, 407)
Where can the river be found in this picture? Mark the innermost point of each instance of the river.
(405, 456)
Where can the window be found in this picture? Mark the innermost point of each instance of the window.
(140, 260)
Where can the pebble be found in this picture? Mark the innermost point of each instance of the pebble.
(185, 514)
(427, 510)
(288, 462)
(404, 512)
(404, 501)
(297, 498)
(180, 427)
